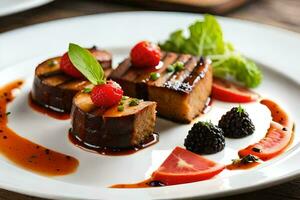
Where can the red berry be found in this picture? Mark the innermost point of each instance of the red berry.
(107, 95)
(145, 54)
(67, 67)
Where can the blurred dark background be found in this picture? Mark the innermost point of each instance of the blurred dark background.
(282, 13)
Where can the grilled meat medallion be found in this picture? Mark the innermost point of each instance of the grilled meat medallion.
(180, 95)
(54, 89)
(112, 128)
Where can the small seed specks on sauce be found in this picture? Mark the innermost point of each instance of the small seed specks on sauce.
(25, 153)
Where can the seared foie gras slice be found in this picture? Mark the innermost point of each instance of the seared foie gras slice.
(180, 94)
(111, 128)
(54, 89)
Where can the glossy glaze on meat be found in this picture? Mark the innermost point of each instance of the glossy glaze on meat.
(54, 89)
(180, 95)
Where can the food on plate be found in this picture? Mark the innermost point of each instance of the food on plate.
(24, 153)
(278, 137)
(145, 54)
(206, 39)
(101, 117)
(180, 84)
(227, 91)
(278, 114)
(205, 138)
(275, 142)
(56, 81)
(246, 162)
(106, 95)
(181, 166)
(111, 127)
(113, 111)
(236, 123)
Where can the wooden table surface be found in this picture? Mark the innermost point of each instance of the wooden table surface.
(281, 13)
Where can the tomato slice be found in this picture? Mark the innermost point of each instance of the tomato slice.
(224, 90)
(278, 114)
(276, 141)
(183, 166)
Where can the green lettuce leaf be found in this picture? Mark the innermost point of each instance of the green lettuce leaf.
(206, 39)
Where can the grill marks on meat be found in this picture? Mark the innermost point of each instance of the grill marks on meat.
(55, 90)
(183, 92)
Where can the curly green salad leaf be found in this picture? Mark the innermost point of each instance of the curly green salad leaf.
(206, 39)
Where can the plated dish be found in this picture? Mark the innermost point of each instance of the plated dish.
(199, 85)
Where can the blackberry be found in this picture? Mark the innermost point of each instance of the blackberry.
(205, 138)
(236, 123)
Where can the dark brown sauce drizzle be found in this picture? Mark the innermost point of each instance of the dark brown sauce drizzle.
(114, 151)
(47, 111)
(25, 153)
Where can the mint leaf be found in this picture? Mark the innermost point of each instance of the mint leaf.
(87, 90)
(87, 64)
(206, 39)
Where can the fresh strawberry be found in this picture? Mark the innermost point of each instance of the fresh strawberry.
(145, 54)
(67, 67)
(107, 95)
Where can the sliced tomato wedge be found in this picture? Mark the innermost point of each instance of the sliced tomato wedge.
(278, 114)
(183, 166)
(224, 90)
(276, 141)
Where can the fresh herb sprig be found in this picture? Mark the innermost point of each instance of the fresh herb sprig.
(206, 39)
(87, 64)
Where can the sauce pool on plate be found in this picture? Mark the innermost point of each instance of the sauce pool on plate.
(113, 151)
(25, 153)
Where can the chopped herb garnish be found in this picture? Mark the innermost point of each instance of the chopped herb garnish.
(52, 63)
(120, 108)
(154, 76)
(121, 102)
(134, 102)
(245, 160)
(87, 64)
(240, 110)
(87, 90)
(8, 113)
(178, 66)
(171, 69)
(249, 159)
(125, 97)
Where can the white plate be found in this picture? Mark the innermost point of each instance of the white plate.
(21, 50)
(8, 7)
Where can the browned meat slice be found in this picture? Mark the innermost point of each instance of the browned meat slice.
(180, 94)
(54, 89)
(111, 128)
